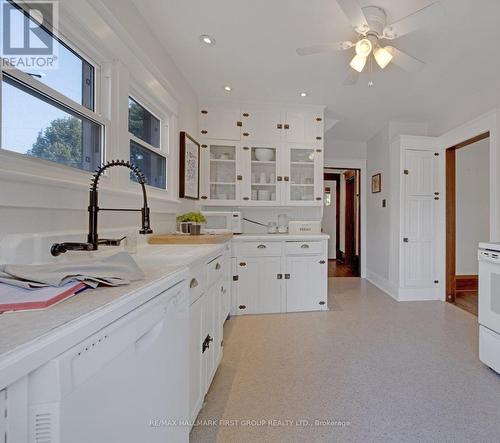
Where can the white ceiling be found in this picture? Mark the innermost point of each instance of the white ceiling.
(255, 54)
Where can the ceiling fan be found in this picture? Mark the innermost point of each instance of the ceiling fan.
(370, 23)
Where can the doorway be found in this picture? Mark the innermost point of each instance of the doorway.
(342, 221)
(467, 218)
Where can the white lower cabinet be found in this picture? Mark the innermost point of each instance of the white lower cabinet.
(279, 276)
(259, 285)
(306, 283)
(207, 315)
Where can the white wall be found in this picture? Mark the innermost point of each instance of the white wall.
(38, 196)
(472, 204)
(378, 218)
(329, 222)
(339, 149)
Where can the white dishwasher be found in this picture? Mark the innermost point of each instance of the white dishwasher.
(126, 383)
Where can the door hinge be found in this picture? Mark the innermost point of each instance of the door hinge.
(286, 126)
(246, 148)
(204, 146)
(203, 111)
(436, 282)
(405, 240)
(322, 262)
(279, 276)
(246, 114)
(204, 131)
(204, 197)
(319, 119)
(239, 177)
(242, 307)
(243, 263)
(436, 154)
(279, 126)
(322, 303)
(406, 172)
(319, 138)
(236, 277)
(239, 124)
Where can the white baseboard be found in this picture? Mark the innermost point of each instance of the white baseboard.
(418, 294)
(382, 283)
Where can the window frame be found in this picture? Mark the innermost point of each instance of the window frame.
(165, 120)
(24, 162)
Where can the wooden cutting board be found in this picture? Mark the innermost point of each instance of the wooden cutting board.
(180, 239)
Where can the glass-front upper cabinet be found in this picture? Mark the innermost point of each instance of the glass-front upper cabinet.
(221, 179)
(303, 177)
(263, 181)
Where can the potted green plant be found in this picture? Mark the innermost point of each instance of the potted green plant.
(191, 222)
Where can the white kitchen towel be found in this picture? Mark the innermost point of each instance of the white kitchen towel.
(119, 269)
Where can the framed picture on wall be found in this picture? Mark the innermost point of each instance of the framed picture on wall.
(189, 165)
(376, 183)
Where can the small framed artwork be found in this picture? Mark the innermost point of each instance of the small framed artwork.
(376, 183)
(189, 163)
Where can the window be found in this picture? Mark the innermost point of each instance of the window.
(50, 114)
(145, 144)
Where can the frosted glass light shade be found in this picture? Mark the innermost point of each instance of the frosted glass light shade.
(382, 56)
(358, 63)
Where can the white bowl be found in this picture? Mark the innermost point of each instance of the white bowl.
(264, 154)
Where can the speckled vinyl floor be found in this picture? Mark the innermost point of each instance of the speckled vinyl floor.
(370, 370)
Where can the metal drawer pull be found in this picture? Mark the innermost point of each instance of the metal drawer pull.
(261, 247)
(194, 283)
(304, 246)
(217, 266)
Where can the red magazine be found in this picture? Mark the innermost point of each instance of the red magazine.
(13, 298)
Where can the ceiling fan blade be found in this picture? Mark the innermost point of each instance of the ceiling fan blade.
(352, 78)
(405, 61)
(413, 21)
(329, 47)
(355, 15)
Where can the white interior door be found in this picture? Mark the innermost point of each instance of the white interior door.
(330, 217)
(419, 212)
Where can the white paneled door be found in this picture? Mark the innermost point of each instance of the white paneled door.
(419, 226)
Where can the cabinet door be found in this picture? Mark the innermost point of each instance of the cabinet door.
(219, 122)
(261, 173)
(208, 333)
(303, 180)
(222, 171)
(303, 127)
(306, 283)
(261, 125)
(196, 338)
(259, 288)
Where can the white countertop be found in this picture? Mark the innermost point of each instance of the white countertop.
(27, 337)
(280, 237)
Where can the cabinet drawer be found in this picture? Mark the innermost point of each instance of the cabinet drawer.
(258, 249)
(197, 283)
(216, 269)
(304, 248)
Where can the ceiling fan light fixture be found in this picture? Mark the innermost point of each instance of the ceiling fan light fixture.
(364, 47)
(382, 56)
(358, 63)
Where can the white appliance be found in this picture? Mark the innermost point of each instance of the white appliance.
(304, 227)
(489, 304)
(223, 221)
(282, 223)
(116, 385)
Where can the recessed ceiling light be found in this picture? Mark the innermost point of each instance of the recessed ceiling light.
(228, 88)
(205, 38)
(303, 94)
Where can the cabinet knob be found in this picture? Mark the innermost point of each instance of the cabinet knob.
(279, 178)
(286, 178)
(239, 124)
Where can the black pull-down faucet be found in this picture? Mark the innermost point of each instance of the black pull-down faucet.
(93, 240)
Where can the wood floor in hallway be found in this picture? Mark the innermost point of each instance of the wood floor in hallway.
(369, 370)
(339, 269)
